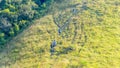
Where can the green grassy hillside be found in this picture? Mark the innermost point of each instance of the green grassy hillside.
(96, 46)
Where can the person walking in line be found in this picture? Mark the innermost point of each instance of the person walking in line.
(54, 43)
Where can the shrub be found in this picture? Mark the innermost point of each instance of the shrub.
(6, 11)
(16, 28)
(11, 33)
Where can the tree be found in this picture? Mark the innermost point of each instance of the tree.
(2, 39)
(26, 11)
(3, 4)
(11, 33)
(16, 28)
(5, 25)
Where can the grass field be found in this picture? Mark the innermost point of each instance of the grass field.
(31, 48)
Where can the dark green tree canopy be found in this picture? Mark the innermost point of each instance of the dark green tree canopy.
(16, 15)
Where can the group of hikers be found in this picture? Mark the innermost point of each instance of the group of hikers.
(61, 28)
(54, 42)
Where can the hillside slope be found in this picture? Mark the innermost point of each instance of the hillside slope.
(31, 49)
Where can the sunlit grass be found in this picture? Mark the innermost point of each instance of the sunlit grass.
(31, 49)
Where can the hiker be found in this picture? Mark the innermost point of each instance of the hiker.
(54, 43)
(59, 31)
(74, 11)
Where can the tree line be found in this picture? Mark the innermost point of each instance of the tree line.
(16, 15)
